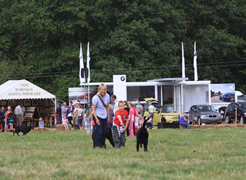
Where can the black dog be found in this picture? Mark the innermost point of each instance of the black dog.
(22, 129)
(142, 136)
(109, 136)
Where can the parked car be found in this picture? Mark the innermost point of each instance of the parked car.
(84, 97)
(225, 97)
(166, 111)
(230, 112)
(153, 101)
(204, 114)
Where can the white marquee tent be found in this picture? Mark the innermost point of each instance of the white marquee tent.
(23, 89)
(14, 91)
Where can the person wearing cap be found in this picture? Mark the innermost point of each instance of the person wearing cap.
(183, 121)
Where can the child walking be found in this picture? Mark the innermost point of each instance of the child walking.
(140, 120)
(64, 123)
(88, 119)
(121, 122)
(41, 124)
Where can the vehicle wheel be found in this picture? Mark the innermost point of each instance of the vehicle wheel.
(227, 120)
(199, 121)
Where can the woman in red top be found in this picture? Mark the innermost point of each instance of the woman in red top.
(121, 122)
(9, 119)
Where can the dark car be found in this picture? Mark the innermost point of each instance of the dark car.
(204, 114)
(241, 112)
(225, 97)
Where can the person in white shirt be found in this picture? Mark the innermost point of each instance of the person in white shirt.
(114, 99)
(139, 108)
(64, 109)
(18, 113)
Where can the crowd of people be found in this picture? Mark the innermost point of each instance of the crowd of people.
(73, 115)
(120, 119)
(8, 115)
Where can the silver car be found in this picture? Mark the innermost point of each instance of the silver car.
(204, 114)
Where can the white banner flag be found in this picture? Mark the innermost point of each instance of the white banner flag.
(195, 63)
(81, 68)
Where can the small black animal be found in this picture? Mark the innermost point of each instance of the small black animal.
(142, 136)
(22, 129)
(109, 136)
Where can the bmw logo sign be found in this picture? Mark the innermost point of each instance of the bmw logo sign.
(122, 78)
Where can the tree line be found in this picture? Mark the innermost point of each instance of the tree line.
(39, 40)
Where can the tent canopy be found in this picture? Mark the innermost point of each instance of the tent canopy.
(23, 89)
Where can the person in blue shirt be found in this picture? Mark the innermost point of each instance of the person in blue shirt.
(183, 121)
(2, 116)
(101, 116)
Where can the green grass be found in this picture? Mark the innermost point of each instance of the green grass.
(172, 154)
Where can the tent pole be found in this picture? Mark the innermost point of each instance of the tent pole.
(55, 111)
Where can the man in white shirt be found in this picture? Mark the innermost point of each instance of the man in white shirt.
(114, 99)
(18, 113)
(64, 109)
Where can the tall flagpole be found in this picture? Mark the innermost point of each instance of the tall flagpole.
(195, 63)
(88, 72)
(183, 76)
(183, 62)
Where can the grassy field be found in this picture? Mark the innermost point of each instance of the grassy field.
(173, 154)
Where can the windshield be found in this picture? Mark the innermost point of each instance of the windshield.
(241, 98)
(206, 108)
(243, 105)
(167, 109)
